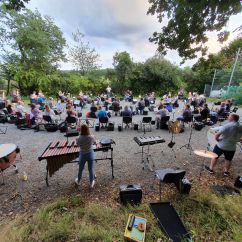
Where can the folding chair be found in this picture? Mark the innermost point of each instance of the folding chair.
(146, 121)
(127, 120)
(103, 120)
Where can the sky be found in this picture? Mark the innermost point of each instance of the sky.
(115, 25)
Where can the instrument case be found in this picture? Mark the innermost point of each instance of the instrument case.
(183, 186)
(110, 126)
(130, 194)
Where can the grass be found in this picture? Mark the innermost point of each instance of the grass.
(208, 217)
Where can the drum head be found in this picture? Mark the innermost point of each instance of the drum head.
(6, 149)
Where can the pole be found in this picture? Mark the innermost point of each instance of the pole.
(232, 74)
(213, 81)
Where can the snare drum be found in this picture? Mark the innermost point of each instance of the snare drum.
(7, 155)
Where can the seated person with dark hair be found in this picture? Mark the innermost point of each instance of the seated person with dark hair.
(140, 105)
(127, 112)
(162, 112)
(116, 106)
(205, 112)
(34, 114)
(187, 113)
(228, 105)
(222, 109)
(70, 111)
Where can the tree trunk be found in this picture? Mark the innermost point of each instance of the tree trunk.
(8, 87)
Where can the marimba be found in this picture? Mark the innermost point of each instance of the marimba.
(147, 141)
(61, 152)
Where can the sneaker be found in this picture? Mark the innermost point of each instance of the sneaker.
(226, 173)
(92, 184)
(209, 170)
(76, 182)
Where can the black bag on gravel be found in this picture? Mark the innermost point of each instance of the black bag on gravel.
(63, 127)
(51, 127)
(198, 126)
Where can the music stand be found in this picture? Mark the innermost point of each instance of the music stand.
(188, 145)
(3, 129)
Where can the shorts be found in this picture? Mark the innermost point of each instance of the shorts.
(228, 155)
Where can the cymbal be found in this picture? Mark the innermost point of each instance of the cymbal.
(205, 153)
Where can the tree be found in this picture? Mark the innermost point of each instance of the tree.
(36, 44)
(123, 68)
(222, 62)
(189, 22)
(160, 76)
(82, 55)
(16, 5)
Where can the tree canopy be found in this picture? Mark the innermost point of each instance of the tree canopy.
(189, 22)
(16, 5)
(82, 55)
(34, 43)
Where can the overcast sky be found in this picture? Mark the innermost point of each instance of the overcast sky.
(114, 25)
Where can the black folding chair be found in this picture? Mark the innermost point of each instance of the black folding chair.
(146, 121)
(103, 120)
(127, 120)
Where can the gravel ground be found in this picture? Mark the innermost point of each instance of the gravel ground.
(20, 196)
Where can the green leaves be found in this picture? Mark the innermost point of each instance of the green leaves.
(189, 22)
(82, 55)
(37, 46)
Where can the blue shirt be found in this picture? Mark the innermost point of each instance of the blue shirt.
(101, 114)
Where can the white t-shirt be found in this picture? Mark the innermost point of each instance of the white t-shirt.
(108, 89)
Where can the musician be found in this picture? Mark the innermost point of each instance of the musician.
(162, 112)
(187, 113)
(227, 137)
(205, 112)
(34, 113)
(70, 111)
(101, 113)
(140, 105)
(48, 111)
(127, 112)
(85, 141)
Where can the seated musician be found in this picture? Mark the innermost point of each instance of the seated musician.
(61, 96)
(101, 113)
(228, 105)
(34, 114)
(10, 109)
(20, 109)
(127, 112)
(70, 111)
(205, 112)
(227, 137)
(187, 113)
(50, 102)
(48, 111)
(33, 97)
(116, 106)
(222, 109)
(162, 112)
(140, 106)
(86, 141)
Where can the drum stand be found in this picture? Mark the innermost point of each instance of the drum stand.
(188, 145)
(146, 160)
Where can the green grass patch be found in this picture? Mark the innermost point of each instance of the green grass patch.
(208, 218)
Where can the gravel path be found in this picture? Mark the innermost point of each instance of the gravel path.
(19, 196)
